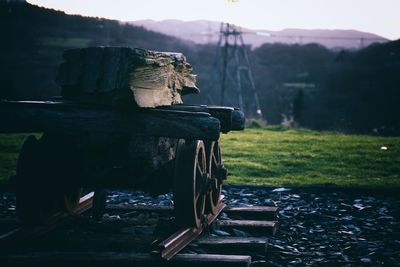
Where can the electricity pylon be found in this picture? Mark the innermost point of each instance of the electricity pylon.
(235, 69)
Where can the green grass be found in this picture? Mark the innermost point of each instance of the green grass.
(10, 145)
(274, 156)
(9, 148)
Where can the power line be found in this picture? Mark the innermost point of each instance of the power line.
(301, 38)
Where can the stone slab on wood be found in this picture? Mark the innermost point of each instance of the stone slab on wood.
(124, 77)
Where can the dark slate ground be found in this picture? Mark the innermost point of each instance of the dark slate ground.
(317, 226)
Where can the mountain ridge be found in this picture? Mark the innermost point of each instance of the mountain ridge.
(204, 31)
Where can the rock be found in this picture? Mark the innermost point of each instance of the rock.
(221, 233)
(280, 189)
(366, 260)
(239, 233)
(124, 77)
(107, 217)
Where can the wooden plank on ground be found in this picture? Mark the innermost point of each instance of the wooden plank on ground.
(121, 259)
(269, 227)
(139, 208)
(233, 245)
(253, 212)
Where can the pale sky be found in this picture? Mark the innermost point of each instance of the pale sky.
(381, 17)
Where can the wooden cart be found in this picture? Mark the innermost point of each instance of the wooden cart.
(159, 150)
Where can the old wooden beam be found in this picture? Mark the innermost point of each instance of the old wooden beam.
(139, 208)
(212, 260)
(61, 117)
(121, 259)
(231, 119)
(224, 114)
(232, 245)
(94, 242)
(269, 227)
(238, 120)
(254, 212)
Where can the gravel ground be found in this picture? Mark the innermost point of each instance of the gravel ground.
(317, 227)
(329, 228)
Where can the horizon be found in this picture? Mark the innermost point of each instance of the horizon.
(376, 18)
(256, 29)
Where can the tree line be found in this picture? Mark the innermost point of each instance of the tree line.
(349, 91)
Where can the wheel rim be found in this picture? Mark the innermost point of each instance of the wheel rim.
(190, 183)
(200, 164)
(216, 175)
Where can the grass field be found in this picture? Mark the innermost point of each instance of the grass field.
(278, 157)
(9, 147)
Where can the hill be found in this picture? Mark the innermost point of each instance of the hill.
(34, 38)
(204, 31)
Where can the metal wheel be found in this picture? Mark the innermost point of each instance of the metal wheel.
(190, 181)
(217, 173)
(45, 181)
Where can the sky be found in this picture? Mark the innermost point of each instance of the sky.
(381, 17)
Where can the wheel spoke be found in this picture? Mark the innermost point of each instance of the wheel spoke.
(199, 169)
(199, 192)
(198, 196)
(215, 161)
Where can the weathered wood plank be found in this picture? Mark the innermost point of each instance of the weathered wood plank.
(58, 117)
(259, 212)
(267, 226)
(212, 260)
(231, 245)
(238, 120)
(254, 212)
(121, 259)
(121, 76)
(223, 114)
(139, 208)
(228, 241)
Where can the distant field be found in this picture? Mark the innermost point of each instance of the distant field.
(277, 157)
